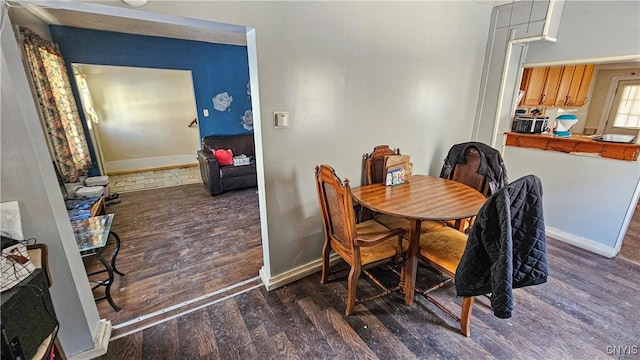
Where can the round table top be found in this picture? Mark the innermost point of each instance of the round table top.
(422, 197)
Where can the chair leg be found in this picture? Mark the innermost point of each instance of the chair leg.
(326, 250)
(354, 275)
(465, 318)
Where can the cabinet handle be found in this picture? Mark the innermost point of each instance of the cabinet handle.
(567, 100)
(542, 97)
(585, 99)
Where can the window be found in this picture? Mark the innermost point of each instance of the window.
(627, 114)
(622, 109)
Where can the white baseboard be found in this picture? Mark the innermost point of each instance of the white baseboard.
(316, 265)
(581, 242)
(296, 273)
(100, 343)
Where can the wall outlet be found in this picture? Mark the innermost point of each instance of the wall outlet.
(205, 112)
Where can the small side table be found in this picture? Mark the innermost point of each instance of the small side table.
(92, 235)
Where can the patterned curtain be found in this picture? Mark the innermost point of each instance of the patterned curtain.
(57, 106)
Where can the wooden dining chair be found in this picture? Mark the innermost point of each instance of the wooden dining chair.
(373, 173)
(374, 165)
(466, 172)
(362, 245)
(442, 250)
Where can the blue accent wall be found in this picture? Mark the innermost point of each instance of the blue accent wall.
(216, 68)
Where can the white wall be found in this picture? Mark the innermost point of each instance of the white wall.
(143, 116)
(585, 198)
(592, 29)
(587, 201)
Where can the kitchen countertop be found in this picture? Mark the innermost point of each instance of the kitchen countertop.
(575, 144)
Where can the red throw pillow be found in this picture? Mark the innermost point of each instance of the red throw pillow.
(224, 156)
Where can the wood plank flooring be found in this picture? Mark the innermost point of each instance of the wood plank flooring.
(588, 309)
(630, 249)
(179, 243)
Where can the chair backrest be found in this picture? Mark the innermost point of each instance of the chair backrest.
(374, 164)
(466, 171)
(491, 165)
(336, 205)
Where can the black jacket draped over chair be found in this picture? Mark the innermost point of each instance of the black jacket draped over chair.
(506, 248)
(491, 164)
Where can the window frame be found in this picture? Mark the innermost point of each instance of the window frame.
(610, 104)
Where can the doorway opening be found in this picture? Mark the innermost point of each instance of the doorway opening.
(181, 248)
(138, 118)
(184, 236)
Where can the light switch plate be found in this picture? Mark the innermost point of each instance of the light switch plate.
(281, 119)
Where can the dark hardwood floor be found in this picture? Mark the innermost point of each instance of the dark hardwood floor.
(179, 244)
(630, 249)
(588, 309)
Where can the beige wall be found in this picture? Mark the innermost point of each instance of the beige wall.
(603, 81)
(143, 116)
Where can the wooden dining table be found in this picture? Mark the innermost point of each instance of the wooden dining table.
(419, 198)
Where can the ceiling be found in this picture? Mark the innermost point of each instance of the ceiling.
(210, 32)
(66, 15)
(224, 34)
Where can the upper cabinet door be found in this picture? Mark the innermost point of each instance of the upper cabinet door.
(563, 86)
(583, 90)
(533, 80)
(574, 86)
(566, 83)
(551, 86)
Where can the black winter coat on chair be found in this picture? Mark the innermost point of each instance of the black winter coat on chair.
(506, 248)
(491, 164)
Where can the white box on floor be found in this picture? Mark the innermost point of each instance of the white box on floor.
(69, 187)
(83, 191)
(97, 180)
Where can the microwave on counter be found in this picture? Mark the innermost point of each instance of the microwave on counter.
(530, 125)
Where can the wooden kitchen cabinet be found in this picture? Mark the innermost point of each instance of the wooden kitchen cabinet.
(583, 90)
(574, 85)
(532, 84)
(540, 85)
(565, 86)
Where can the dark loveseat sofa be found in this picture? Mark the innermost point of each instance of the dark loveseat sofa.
(219, 179)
